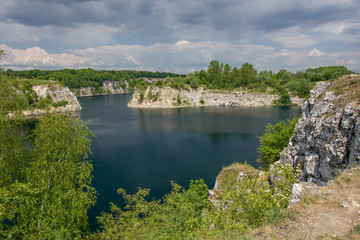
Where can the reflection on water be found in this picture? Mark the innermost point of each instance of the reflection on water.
(222, 121)
(147, 148)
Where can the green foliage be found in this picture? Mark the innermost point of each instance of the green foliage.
(87, 77)
(45, 181)
(202, 101)
(194, 83)
(284, 177)
(275, 139)
(2, 54)
(10, 100)
(325, 73)
(284, 99)
(62, 103)
(178, 99)
(176, 217)
(251, 203)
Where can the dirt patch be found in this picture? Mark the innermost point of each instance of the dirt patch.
(332, 214)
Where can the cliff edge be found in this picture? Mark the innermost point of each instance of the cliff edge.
(58, 94)
(327, 137)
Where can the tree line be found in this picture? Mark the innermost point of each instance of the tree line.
(223, 76)
(217, 76)
(86, 77)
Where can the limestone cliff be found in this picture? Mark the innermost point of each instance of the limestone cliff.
(108, 87)
(58, 94)
(327, 137)
(166, 97)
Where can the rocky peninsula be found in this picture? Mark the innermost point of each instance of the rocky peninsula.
(58, 94)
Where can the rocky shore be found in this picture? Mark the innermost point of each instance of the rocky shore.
(57, 93)
(108, 87)
(166, 97)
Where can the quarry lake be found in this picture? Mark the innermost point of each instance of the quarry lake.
(148, 148)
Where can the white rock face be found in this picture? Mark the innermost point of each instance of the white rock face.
(327, 137)
(155, 97)
(108, 87)
(57, 93)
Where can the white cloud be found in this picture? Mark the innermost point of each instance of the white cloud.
(181, 57)
(37, 57)
(316, 53)
(291, 38)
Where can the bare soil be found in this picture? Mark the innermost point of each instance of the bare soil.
(334, 213)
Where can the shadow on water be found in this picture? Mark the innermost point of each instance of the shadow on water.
(147, 148)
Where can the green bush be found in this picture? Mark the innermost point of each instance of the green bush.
(60, 104)
(178, 100)
(275, 139)
(251, 203)
(284, 99)
(176, 217)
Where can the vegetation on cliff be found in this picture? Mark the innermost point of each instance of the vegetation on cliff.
(274, 140)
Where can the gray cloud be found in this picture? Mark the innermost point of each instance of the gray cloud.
(216, 29)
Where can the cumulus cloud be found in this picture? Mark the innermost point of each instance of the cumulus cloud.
(37, 57)
(316, 53)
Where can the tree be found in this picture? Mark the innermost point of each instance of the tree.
(214, 73)
(274, 140)
(45, 178)
(284, 99)
(247, 74)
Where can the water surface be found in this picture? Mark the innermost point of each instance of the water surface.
(149, 148)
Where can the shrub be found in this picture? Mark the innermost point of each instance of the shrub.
(178, 100)
(284, 99)
(274, 140)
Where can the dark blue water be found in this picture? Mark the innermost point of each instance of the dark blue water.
(149, 148)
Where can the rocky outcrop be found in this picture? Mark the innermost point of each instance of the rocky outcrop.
(166, 97)
(327, 137)
(108, 87)
(58, 94)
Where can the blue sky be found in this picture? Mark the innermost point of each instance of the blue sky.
(179, 35)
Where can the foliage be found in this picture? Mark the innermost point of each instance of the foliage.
(45, 187)
(45, 178)
(250, 203)
(175, 218)
(284, 99)
(178, 99)
(275, 139)
(87, 77)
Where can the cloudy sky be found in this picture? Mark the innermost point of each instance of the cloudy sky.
(179, 35)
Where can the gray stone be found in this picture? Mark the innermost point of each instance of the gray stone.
(326, 139)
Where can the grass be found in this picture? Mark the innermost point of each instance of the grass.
(33, 82)
(228, 177)
(348, 88)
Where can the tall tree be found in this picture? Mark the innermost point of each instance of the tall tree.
(247, 74)
(45, 178)
(214, 73)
